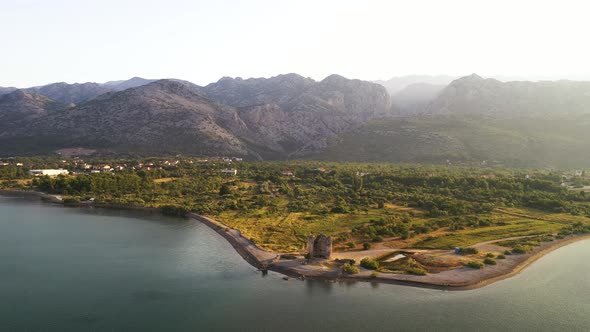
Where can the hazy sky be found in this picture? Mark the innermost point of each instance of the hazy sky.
(85, 40)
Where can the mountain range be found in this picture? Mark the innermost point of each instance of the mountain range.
(469, 120)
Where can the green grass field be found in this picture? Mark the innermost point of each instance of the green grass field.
(287, 233)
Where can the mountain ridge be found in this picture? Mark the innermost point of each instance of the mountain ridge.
(269, 118)
(290, 116)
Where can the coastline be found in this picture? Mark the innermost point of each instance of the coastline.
(446, 280)
(456, 279)
(31, 193)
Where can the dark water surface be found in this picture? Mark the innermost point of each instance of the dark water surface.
(71, 269)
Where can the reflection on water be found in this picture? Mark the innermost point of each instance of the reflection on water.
(319, 286)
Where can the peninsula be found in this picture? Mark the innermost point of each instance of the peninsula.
(455, 227)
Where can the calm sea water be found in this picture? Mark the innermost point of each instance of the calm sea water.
(72, 269)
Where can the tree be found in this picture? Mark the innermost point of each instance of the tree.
(224, 190)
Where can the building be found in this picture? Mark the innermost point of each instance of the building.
(319, 246)
(171, 163)
(230, 171)
(288, 173)
(49, 172)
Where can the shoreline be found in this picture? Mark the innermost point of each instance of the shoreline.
(456, 279)
(513, 265)
(31, 193)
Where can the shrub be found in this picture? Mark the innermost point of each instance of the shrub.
(369, 263)
(475, 265)
(377, 238)
(224, 190)
(366, 246)
(374, 274)
(418, 271)
(520, 249)
(490, 255)
(469, 251)
(350, 245)
(174, 210)
(350, 269)
(507, 252)
(489, 261)
(500, 256)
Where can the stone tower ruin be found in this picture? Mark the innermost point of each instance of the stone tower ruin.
(319, 246)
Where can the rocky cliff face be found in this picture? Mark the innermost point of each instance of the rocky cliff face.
(290, 115)
(164, 117)
(279, 117)
(278, 90)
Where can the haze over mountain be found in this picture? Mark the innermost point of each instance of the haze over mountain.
(470, 120)
(492, 98)
(397, 84)
(475, 119)
(414, 98)
(126, 84)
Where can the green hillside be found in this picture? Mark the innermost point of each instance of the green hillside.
(560, 141)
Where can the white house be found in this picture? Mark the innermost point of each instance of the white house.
(49, 172)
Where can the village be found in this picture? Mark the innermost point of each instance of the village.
(575, 180)
(78, 166)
